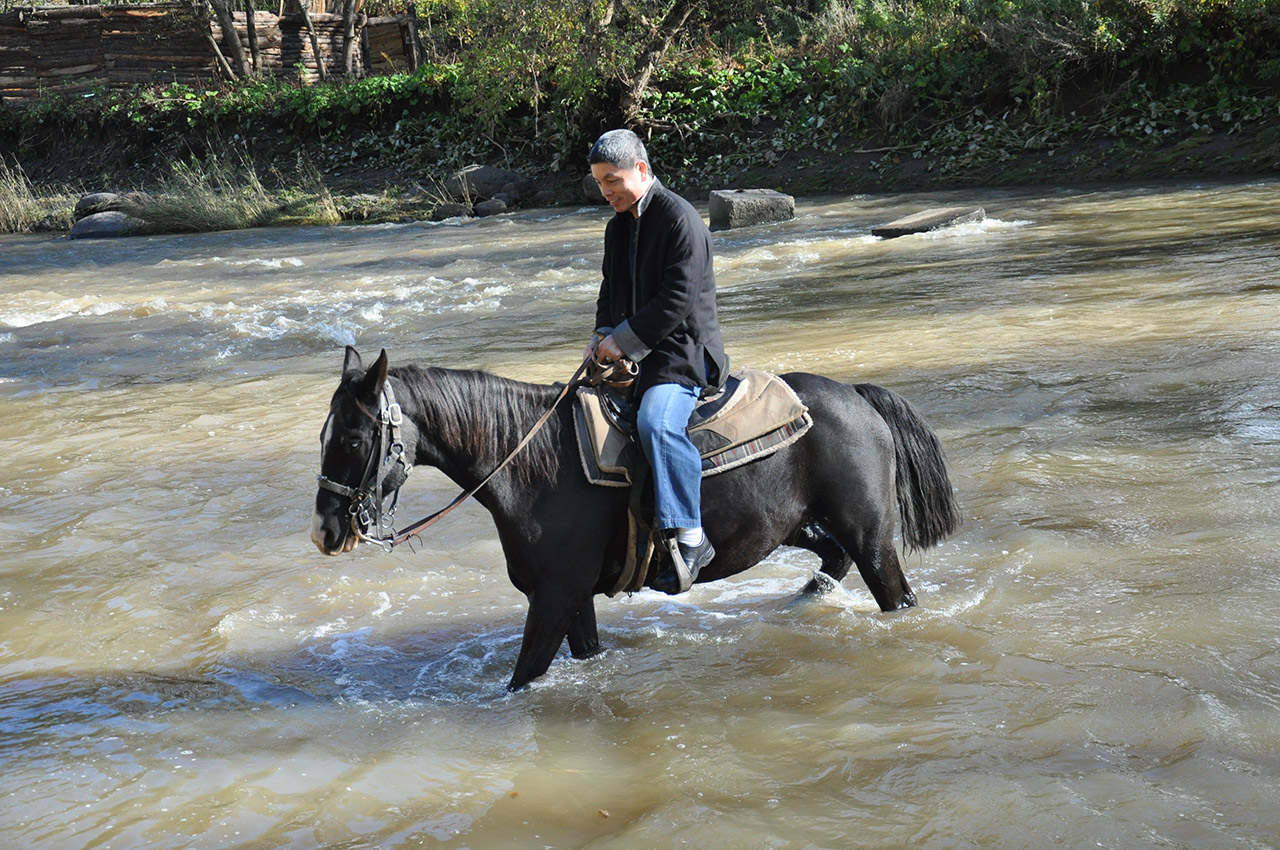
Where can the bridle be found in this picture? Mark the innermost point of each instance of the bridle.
(367, 502)
(368, 517)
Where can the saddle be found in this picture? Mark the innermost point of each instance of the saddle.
(755, 415)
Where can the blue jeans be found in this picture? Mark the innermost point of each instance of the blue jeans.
(677, 467)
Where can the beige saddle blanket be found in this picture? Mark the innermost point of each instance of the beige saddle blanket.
(754, 416)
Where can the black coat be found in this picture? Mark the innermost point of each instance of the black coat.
(667, 320)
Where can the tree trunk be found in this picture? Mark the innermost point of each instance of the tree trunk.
(251, 27)
(200, 13)
(230, 37)
(665, 33)
(315, 41)
(414, 41)
(349, 39)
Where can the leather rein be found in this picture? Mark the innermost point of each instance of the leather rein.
(367, 514)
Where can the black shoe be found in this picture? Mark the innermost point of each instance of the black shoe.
(686, 561)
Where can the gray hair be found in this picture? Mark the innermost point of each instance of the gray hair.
(619, 148)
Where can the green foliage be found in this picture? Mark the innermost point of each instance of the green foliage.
(746, 83)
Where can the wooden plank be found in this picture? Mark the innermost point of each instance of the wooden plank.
(930, 219)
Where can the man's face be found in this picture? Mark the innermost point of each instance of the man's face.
(622, 187)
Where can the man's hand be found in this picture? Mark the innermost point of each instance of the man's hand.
(607, 350)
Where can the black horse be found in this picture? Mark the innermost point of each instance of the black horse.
(835, 492)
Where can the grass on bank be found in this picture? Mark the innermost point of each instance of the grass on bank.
(24, 208)
(229, 194)
(194, 197)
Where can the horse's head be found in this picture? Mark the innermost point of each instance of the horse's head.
(364, 458)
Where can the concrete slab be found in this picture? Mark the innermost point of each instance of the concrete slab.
(927, 220)
(731, 208)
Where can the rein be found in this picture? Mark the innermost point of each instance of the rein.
(366, 503)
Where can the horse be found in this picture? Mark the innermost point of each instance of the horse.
(835, 492)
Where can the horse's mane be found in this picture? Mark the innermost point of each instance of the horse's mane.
(483, 417)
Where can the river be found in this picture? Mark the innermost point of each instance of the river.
(1092, 664)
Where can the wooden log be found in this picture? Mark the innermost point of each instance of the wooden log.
(926, 220)
(141, 13)
(74, 70)
(63, 29)
(60, 45)
(66, 13)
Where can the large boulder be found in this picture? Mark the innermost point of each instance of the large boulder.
(591, 189)
(493, 206)
(485, 182)
(745, 207)
(103, 225)
(98, 202)
(449, 210)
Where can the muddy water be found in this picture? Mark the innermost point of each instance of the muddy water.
(1092, 664)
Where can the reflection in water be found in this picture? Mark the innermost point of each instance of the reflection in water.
(1092, 662)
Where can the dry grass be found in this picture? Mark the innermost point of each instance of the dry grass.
(24, 208)
(219, 194)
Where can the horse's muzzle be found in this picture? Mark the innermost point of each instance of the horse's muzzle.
(332, 539)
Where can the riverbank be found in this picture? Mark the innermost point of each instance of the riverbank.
(976, 152)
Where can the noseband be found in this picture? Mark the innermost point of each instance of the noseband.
(368, 516)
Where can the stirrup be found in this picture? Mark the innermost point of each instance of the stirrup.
(683, 574)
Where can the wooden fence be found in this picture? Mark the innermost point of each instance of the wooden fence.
(74, 49)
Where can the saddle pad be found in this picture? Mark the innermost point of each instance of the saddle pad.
(756, 415)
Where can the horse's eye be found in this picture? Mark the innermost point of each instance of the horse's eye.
(353, 444)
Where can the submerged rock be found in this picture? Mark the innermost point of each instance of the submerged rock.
(927, 220)
(492, 206)
(104, 225)
(451, 210)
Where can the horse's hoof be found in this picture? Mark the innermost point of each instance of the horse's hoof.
(820, 583)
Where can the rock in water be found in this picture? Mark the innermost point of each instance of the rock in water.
(104, 225)
(745, 207)
(930, 219)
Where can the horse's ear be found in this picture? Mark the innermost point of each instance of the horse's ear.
(352, 361)
(374, 380)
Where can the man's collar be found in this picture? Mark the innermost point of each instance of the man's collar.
(643, 204)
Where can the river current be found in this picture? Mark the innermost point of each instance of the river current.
(1092, 664)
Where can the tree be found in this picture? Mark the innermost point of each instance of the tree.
(352, 23)
(594, 58)
(200, 17)
(231, 38)
(659, 42)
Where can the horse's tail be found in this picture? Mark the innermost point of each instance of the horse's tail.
(926, 502)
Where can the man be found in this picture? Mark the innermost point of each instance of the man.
(657, 307)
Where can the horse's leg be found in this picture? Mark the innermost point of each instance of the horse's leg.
(900, 593)
(835, 560)
(545, 627)
(584, 642)
(872, 550)
(850, 458)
